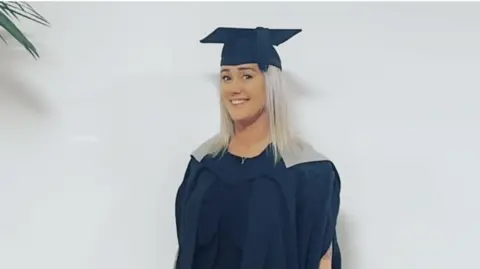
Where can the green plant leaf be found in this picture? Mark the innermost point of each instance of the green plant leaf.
(3, 39)
(24, 10)
(12, 29)
(10, 10)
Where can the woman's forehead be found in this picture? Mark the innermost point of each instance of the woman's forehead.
(241, 67)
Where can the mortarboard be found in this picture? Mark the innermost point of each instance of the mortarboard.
(250, 45)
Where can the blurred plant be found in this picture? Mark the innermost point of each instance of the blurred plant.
(10, 10)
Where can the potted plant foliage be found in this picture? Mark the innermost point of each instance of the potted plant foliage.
(9, 11)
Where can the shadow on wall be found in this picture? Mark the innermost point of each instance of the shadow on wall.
(345, 231)
(17, 95)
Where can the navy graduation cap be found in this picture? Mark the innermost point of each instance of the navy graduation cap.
(250, 45)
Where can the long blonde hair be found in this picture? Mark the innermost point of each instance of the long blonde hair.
(282, 133)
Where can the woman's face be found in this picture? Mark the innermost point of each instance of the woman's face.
(243, 91)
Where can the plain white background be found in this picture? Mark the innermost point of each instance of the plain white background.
(96, 134)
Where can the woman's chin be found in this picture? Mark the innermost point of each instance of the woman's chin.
(240, 118)
(245, 117)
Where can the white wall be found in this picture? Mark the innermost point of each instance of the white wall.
(96, 134)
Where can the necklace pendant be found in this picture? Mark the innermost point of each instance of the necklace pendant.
(243, 160)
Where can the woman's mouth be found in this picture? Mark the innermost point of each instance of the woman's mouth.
(237, 102)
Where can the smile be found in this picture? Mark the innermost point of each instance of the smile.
(238, 102)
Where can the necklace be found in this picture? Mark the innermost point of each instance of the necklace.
(243, 159)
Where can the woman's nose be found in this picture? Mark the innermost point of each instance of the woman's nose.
(236, 86)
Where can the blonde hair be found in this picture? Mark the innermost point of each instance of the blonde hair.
(281, 128)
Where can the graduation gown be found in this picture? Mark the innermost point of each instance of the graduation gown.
(233, 213)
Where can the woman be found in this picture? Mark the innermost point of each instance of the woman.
(255, 196)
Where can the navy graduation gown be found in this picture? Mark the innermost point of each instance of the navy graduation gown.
(257, 214)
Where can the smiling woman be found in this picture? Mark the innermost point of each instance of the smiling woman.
(243, 92)
(247, 95)
(255, 196)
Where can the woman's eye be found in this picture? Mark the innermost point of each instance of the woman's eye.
(247, 77)
(225, 78)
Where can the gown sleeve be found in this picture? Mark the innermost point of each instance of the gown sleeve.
(323, 200)
(180, 199)
(182, 194)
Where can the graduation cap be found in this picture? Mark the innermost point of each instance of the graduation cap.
(250, 45)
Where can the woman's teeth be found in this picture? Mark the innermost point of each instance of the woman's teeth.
(239, 102)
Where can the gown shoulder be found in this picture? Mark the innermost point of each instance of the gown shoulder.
(317, 196)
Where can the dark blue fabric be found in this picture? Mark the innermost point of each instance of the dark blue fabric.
(250, 45)
(256, 215)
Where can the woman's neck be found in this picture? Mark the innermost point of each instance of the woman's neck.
(251, 138)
